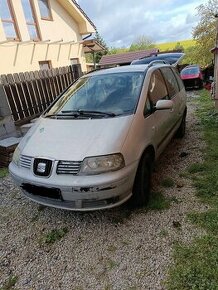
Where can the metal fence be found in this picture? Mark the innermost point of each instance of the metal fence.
(30, 93)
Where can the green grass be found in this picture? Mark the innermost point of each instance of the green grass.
(196, 167)
(196, 266)
(55, 235)
(111, 264)
(158, 201)
(3, 172)
(167, 182)
(10, 283)
(171, 45)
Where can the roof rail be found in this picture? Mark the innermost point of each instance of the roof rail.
(156, 62)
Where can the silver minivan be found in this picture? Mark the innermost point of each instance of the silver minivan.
(95, 147)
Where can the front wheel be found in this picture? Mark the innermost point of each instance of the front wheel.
(142, 183)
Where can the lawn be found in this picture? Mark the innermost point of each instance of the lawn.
(171, 45)
(196, 266)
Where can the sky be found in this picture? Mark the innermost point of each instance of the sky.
(120, 22)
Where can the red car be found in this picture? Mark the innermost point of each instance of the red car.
(192, 76)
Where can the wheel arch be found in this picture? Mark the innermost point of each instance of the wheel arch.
(149, 150)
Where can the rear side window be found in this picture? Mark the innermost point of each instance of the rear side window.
(178, 78)
(157, 88)
(171, 81)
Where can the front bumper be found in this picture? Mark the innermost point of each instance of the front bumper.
(78, 193)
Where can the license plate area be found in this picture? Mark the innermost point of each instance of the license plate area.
(54, 193)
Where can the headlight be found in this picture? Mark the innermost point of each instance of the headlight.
(101, 164)
(16, 156)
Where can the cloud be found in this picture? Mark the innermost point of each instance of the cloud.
(120, 22)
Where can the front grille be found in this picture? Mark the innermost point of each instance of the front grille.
(25, 161)
(42, 167)
(68, 167)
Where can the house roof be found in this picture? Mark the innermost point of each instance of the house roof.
(92, 45)
(86, 26)
(83, 12)
(127, 57)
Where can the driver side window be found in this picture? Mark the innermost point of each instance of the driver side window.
(157, 89)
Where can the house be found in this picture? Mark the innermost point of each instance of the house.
(42, 34)
(125, 58)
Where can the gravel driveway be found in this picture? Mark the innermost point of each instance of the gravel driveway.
(115, 249)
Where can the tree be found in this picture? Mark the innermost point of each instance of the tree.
(179, 46)
(205, 32)
(191, 55)
(142, 42)
(117, 50)
(99, 55)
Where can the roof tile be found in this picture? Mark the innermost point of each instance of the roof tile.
(127, 57)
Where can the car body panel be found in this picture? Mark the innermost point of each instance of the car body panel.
(192, 76)
(171, 58)
(91, 134)
(77, 139)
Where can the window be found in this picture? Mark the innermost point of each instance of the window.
(74, 61)
(31, 20)
(45, 65)
(178, 78)
(148, 108)
(8, 20)
(157, 88)
(45, 9)
(171, 81)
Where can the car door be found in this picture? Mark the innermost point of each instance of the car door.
(175, 96)
(160, 120)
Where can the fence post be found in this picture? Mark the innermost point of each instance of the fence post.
(7, 127)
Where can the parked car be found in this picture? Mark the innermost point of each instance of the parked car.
(95, 147)
(172, 58)
(192, 76)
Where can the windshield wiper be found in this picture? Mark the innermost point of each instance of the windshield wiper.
(51, 116)
(87, 113)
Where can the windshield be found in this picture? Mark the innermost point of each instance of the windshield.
(105, 95)
(190, 71)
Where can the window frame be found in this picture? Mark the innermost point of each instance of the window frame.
(43, 62)
(35, 23)
(13, 20)
(147, 112)
(164, 81)
(50, 18)
(178, 79)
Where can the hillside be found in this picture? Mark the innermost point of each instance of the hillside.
(171, 45)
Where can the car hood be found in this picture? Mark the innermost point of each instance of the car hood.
(76, 139)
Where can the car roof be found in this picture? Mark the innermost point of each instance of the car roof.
(120, 69)
(126, 68)
(171, 58)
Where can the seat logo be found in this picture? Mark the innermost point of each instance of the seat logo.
(41, 167)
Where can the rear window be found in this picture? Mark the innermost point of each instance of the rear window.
(190, 71)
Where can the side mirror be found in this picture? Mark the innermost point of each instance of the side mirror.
(164, 105)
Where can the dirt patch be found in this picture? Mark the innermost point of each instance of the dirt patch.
(115, 249)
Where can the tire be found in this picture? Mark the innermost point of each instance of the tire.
(142, 183)
(200, 84)
(180, 133)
